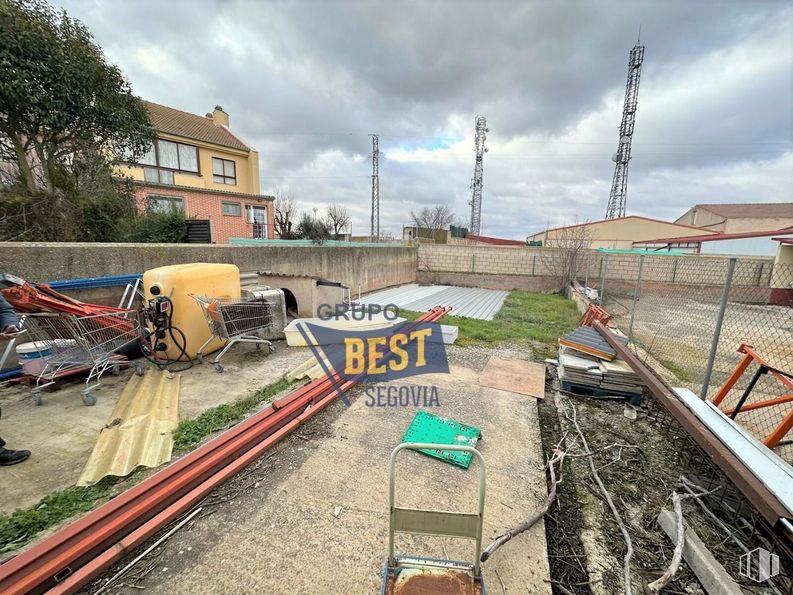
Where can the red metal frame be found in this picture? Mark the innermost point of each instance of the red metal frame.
(593, 313)
(78, 553)
(751, 356)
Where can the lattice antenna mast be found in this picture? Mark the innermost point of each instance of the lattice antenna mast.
(476, 183)
(619, 184)
(375, 229)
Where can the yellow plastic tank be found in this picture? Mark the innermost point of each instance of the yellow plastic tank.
(178, 282)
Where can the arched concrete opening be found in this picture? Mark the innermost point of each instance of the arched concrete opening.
(291, 304)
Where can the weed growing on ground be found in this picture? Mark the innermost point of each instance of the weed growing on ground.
(525, 318)
(190, 432)
(21, 526)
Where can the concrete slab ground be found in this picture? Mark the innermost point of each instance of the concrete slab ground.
(62, 432)
(311, 516)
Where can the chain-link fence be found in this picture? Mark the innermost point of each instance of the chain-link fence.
(688, 317)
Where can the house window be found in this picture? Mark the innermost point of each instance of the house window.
(164, 204)
(232, 209)
(165, 157)
(224, 171)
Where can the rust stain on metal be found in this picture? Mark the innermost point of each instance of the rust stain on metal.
(449, 582)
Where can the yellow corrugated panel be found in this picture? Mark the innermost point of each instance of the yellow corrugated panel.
(140, 429)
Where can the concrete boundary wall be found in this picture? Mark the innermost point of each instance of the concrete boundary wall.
(539, 262)
(369, 268)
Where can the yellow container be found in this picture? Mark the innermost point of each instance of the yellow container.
(178, 282)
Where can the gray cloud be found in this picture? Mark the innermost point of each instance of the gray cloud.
(305, 82)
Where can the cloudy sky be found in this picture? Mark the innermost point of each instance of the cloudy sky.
(307, 82)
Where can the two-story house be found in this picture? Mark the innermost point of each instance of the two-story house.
(199, 166)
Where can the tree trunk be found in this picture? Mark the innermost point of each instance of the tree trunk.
(24, 165)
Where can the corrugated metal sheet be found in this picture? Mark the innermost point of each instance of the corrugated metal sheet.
(765, 464)
(140, 429)
(468, 302)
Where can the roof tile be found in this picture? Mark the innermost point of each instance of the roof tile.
(173, 121)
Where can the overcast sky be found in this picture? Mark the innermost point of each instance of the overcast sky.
(307, 82)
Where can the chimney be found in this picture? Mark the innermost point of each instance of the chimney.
(219, 116)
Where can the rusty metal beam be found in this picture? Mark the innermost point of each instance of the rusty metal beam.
(742, 478)
(76, 554)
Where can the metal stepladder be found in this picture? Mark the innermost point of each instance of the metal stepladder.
(400, 571)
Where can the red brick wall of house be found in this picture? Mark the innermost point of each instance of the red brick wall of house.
(208, 205)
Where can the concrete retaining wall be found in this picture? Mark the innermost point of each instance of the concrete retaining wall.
(369, 268)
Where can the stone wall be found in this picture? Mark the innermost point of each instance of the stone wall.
(478, 261)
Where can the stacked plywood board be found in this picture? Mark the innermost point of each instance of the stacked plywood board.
(589, 365)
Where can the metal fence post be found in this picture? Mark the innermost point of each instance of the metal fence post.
(636, 296)
(588, 265)
(725, 295)
(604, 267)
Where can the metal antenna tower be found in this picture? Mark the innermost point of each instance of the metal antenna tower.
(476, 182)
(619, 184)
(375, 229)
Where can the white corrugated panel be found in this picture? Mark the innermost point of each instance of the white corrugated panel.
(468, 302)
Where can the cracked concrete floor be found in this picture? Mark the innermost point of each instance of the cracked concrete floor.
(311, 515)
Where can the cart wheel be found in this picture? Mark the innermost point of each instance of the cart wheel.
(219, 368)
(200, 358)
(258, 346)
(115, 370)
(89, 400)
(140, 370)
(37, 399)
(271, 347)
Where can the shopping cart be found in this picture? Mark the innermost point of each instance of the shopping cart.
(69, 344)
(236, 320)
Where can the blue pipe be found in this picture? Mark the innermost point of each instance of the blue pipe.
(110, 281)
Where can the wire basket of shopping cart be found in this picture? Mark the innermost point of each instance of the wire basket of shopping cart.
(236, 320)
(68, 345)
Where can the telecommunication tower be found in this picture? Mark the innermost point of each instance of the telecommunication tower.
(476, 183)
(619, 184)
(375, 229)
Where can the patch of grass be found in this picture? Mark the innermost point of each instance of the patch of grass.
(681, 373)
(524, 318)
(21, 526)
(190, 432)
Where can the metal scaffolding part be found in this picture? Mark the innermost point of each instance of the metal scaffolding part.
(619, 184)
(476, 182)
(375, 227)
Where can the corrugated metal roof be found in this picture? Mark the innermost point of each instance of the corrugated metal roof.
(140, 429)
(468, 302)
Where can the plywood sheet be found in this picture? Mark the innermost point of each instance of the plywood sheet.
(514, 375)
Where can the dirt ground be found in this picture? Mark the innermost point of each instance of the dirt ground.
(62, 432)
(676, 333)
(312, 515)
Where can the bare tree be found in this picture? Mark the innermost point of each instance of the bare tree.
(437, 217)
(285, 213)
(567, 248)
(338, 218)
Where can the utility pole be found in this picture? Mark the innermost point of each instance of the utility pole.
(375, 229)
(619, 184)
(476, 183)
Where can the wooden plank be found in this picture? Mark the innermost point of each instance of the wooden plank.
(515, 376)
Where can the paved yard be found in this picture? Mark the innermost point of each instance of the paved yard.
(311, 516)
(62, 432)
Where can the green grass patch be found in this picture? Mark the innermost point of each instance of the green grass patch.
(21, 526)
(190, 432)
(524, 318)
